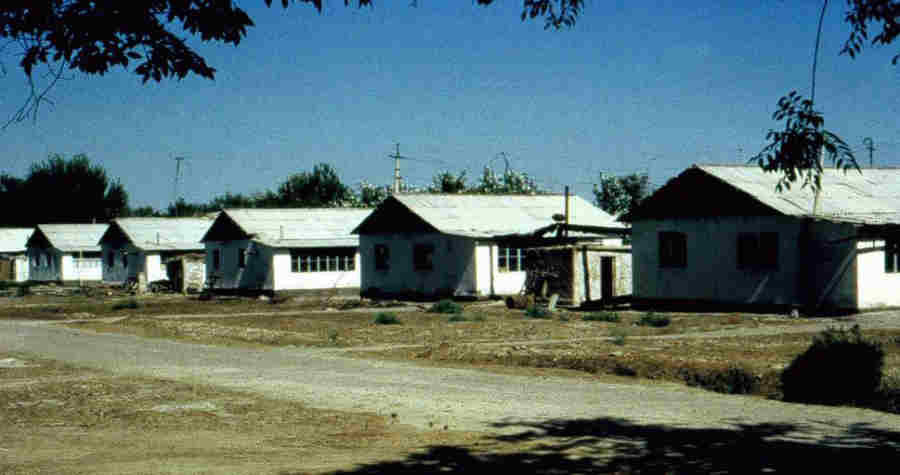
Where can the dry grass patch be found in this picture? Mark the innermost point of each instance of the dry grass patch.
(63, 419)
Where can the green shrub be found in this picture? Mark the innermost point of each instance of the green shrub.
(731, 380)
(650, 319)
(386, 318)
(537, 312)
(131, 304)
(840, 367)
(601, 317)
(619, 336)
(446, 306)
(458, 317)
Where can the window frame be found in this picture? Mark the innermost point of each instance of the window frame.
(423, 256)
(672, 250)
(382, 257)
(892, 255)
(757, 251)
(216, 259)
(510, 259)
(314, 260)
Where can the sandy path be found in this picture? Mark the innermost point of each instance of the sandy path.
(427, 396)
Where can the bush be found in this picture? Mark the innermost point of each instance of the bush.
(650, 319)
(619, 336)
(131, 304)
(840, 367)
(446, 306)
(537, 312)
(732, 380)
(457, 318)
(601, 317)
(386, 318)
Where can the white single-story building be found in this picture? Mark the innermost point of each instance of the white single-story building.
(722, 234)
(284, 249)
(65, 252)
(467, 245)
(134, 245)
(13, 261)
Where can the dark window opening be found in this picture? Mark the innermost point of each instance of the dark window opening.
(382, 257)
(891, 256)
(672, 249)
(423, 257)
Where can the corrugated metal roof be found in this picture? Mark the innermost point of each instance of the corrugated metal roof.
(494, 215)
(12, 240)
(301, 227)
(74, 237)
(870, 197)
(165, 234)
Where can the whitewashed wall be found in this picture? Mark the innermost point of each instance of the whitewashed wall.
(44, 265)
(875, 288)
(22, 267)
(256, 275)
(711, 273)
(75, 268)
(287, 280)
(454, 262)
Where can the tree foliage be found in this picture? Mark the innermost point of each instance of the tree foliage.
(60, 190)
(447, 182)
(796, 152)
(320, 188)
(862, 14)
(619, 195)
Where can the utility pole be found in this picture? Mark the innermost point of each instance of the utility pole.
(870, 146)
(397, 157)
(175, 191)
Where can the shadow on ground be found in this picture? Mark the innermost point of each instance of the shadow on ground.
(619, 446)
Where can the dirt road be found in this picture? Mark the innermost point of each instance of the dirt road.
(428, 397)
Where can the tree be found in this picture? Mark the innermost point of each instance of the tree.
(447, 182)
(510, 182)
(320, 188)
(619, 195)
(94, 36)
(61, 190)
(797, 152)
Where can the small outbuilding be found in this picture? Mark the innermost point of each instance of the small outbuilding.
(13, 260)
(132, 246)
(284, 249)
(467, 245)
(65, 253)
(722, 234)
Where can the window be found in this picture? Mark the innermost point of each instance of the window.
(510, 259)
(757, 251)
(124, 260)
(891, 256)
(423, 256)
(672, 249)
(323, 260)
(382, 257)
(111, 259)
(216, 259)
(242, 258)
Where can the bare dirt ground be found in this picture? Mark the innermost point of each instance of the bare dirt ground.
(59, 418)
(155, 400)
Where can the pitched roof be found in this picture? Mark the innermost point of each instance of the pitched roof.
(497, 215)
(868, 197)
(12, 240)
(871, 196)
(297, 227)
(73, 237)
(161, 234)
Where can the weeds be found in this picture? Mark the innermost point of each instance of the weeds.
(619, 336)
(332, 336)
(386, 318)
(131, 304)
(446, 306)
(731, 380)
(537, 312)
(650, 319)
(601, 317)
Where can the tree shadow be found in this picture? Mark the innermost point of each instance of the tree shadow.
(606, 445)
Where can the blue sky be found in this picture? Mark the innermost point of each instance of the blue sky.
(633, 87)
